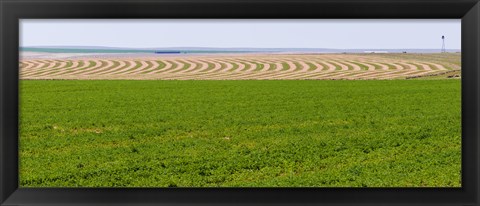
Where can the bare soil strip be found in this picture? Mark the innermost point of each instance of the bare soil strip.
(168, 66)
(97, 64)
(40, 71)
(86, 64)
(101, 68)
(121, 64)
(191, 67)
(155, 66)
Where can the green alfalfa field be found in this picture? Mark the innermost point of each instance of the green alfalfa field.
(241, 133)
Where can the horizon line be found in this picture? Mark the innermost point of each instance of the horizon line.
(207, 47)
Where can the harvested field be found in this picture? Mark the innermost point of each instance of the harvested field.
(243, 66)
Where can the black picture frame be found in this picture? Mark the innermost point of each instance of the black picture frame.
(13, 10)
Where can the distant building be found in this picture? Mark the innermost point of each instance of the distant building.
(167, 52)
(376, 52)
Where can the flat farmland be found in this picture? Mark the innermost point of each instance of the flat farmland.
(242, 66)
(244, 133)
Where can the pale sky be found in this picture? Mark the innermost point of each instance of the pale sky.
(313, 33)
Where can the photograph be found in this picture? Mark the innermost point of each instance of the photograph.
(240, 103)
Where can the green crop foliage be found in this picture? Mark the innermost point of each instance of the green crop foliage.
(285, 66)
(273, 67)
(278, 133)
(210, 66)
(247, 66)
(311, 66)
(173, 67)
(235, 66)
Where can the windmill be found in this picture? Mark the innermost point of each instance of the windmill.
(443, 44)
